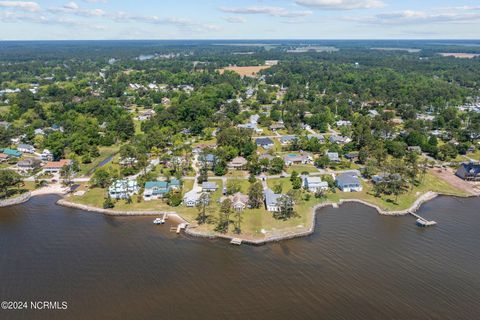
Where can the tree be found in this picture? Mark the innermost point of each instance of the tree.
(233, 186)
(202, 207)
(8, 178)
(101, 178)
(108, 203)
(224, 216)
(255, 195)
(67, 173)
(276, 165)
(286, 210)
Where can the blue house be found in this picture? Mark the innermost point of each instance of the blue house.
(158, 189)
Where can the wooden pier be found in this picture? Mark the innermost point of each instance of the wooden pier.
(422, 222)
(236, 241)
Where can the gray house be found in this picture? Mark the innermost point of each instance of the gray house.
(469, 172)
(265, 143)
(349, 182)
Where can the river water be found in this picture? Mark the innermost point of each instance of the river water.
(357, 265)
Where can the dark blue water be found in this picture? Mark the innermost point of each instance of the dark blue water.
(357, 265)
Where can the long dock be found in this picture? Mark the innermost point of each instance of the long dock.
(422, 222)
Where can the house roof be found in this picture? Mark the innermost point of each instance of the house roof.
(263, 141)
(347, 178)
(271, 198)
(286, 139)
(11, 152)
(57, 164)
(25, 146)
(238, 161)
(156, 184)
(209, 185)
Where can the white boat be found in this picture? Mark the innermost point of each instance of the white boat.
(159, 221)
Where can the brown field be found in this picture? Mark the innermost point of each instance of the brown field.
(250, 71)
(460, 55)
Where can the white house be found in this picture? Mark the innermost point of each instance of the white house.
(46, 155)
(314, 184)
(26, 148)
(122, 189)
(271, 200)
(349, 182)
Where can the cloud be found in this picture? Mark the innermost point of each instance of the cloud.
(341, 4)
(20, 5)
(416, 17)
(235, 19)
(272, 11)
(74, 9)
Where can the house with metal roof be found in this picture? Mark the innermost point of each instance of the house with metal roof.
(349, 182)
(12, 153)
(209, 186)
(265, 143)
(158, 189)
(271, 200)
(469, 172)
(314, 184)
(123, 189)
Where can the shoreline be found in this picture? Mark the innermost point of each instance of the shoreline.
(287, 234)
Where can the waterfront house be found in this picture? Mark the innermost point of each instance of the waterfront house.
(384, 176)
(239, 201)
(238, 163)
(3, 157)
(209, 186)
(314, 184)
(155, 190)
(349, 182)
(469, 172)
(56, 166)
(11, 153)
(288, 139)
(192, 198)
(123, 189)
(265, 143)
(293, 158)
(271, 200)
(26, 148)
(29, 164)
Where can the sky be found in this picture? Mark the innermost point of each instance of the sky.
(239, 19)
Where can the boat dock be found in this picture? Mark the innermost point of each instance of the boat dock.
(236, 241)
(422, 222)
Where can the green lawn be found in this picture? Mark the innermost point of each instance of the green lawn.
(301, 168)
(258, 223)
(105, 153)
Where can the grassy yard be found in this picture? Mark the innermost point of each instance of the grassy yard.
(299, 168)
(258, 223)
(105, 153)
